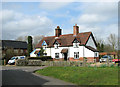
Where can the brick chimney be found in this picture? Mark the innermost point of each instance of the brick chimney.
(75, 30)
(58, 31)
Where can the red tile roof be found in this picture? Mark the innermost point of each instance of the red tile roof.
(66, 40)
(108, 53)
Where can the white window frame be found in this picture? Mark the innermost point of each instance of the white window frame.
(96, 54)
(76, 55)
(56, 46)
(57, 55)
(75, 45)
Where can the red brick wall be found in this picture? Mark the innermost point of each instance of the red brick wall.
(72, 59)
(90, 59)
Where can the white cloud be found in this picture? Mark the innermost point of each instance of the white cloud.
(89, 19)
(18, 24)
(100, 18)
(6, 15)
(53, 5)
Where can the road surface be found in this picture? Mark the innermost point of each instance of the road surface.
(12, 75)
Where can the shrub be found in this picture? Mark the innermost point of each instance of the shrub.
(103, 66)
(21, 62)
(43, 58)
(112, 65)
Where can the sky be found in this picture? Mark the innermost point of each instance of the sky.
(41, 18)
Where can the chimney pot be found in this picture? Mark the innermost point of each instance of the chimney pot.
(58, 27)
(58, 31)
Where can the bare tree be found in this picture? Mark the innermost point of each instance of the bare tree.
(22, 38)
(112, 39)
(37, 39)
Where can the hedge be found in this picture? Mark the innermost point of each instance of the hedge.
(43, 58)
(33, 61)
(21, 62)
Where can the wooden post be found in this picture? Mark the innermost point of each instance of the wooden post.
(107, 62)
(84, 62)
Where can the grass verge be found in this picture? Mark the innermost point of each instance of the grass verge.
(83, 75)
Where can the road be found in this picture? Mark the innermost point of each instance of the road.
(12, 75)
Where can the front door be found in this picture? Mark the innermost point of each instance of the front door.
(65, 56)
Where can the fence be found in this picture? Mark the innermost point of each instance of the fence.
(24, 62)
(84, 63)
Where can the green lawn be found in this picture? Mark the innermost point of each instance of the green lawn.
(83, 75)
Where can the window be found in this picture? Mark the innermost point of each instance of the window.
(45, 54)
(15, 51)
(75, 45)
(56, 46)
(56, 55)
(95, 54)
(21, 51)
(76, 55)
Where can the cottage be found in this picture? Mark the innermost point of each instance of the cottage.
(72, 47)
(18, 47)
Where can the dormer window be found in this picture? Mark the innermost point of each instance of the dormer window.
(44, 45)
(75, 43)
(56, 45)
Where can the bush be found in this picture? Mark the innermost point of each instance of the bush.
(103, 66)
(112, 65)
(21, 62)
(43, 58)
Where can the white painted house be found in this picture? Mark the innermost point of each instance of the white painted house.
(73, 47)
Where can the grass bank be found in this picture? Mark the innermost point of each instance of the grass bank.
(83, 75)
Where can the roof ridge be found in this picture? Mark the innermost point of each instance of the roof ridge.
(14, 40)
(66, 34)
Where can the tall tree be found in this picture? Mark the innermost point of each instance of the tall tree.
(112, 39)
(102, 47)
(30, 48)
(98, 46)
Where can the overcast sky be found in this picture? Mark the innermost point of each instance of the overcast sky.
(41, 18)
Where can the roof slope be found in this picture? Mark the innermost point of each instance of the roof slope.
(66, 40)
(14, 44)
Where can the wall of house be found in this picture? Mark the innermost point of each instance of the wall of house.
(83, 52)
(88, 53)
(72, 50)
(91, 42)
(48, 51)
(53, 51)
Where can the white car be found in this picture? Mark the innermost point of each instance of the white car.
(104, 58)
(12, 60)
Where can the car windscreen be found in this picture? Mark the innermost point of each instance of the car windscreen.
(22, 57)
(12, 58)
(104, 57)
